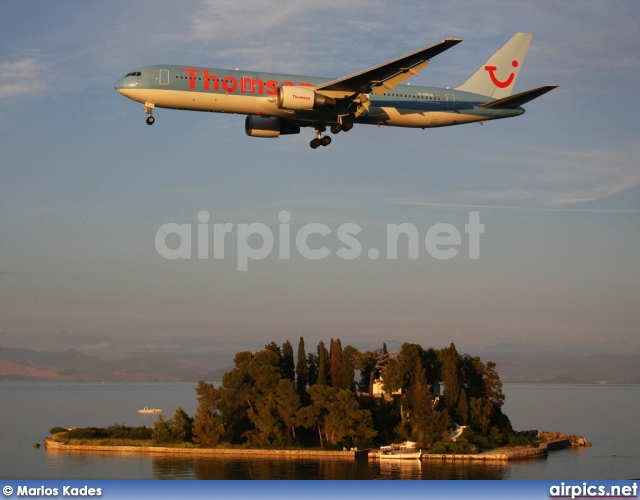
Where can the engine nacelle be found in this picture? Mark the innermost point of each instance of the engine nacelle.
(260, 126)
(301, 98)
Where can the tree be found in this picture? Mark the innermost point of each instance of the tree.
(323, 372)
(267, 424)
(177, 429)
(208, 428)
(432, 367)
(180, 426)
(493, 385)
(427, 423)
(336, 362)
(312, 416)
(481, 412)
(463, 407)
(242, 403)
(406, 371)
(347, 376)
(161, 433)
(287, 402)
(302, 371)
(312, 364)
(346, 423)
(337, 416)
(451, 376)
(287, 367)
(370, 363)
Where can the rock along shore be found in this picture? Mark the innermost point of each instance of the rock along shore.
(52, 445)
(548, 441)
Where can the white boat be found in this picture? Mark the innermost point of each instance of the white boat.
(146, 409)
(403, 451)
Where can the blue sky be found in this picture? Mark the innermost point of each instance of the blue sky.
(85, 184)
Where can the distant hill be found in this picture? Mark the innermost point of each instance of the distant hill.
(73, 365)
(193, 361)
(605, 368)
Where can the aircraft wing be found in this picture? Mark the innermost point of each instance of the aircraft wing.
(513, 101)
(386, 76)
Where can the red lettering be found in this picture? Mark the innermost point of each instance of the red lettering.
(272, 87)
(245, 84)
(249, 85)
(257, 83)
(207, 78)
(230, 84)
(192, 76)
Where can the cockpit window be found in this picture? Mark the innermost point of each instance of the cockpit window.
(134, 73)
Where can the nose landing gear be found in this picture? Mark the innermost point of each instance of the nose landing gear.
(148, 109)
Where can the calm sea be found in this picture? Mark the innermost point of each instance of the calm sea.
(607, 416)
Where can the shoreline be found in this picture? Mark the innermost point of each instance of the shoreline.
(52, 445)
(551, 441)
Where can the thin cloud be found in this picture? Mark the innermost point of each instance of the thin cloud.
(20, 78)
(513, 207)
(561, 177)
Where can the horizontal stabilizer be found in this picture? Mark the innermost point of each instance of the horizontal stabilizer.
(513, 101)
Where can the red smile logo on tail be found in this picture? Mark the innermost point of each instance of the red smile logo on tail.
(498, 83)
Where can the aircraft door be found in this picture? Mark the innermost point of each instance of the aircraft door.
(164, 77)
(451, 101)
(246, 84)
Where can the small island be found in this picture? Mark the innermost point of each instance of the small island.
(448, 404)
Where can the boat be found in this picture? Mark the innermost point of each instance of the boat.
(146, 409)
(402, 451)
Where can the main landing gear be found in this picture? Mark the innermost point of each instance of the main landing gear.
(320, 140)
(344, 125)
(148, 109)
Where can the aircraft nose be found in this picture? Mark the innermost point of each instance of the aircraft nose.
(119, 85)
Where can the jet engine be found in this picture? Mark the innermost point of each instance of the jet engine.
(260, 126)
(301, 98)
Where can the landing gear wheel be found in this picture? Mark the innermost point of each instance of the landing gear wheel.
(151, 120)
(347, 125)
(325, 141)
(315, 143)
(336, 127)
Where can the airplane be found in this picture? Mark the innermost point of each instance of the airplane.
(277, 104)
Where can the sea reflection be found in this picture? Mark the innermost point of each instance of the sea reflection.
(400, 469)
(257, 467)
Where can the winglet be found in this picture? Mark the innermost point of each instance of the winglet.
(497, 77)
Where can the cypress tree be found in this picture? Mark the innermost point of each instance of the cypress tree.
(287, 368)
(312, 364)
(336, 362)
(346, 371)
(322, 364)
(302, 371)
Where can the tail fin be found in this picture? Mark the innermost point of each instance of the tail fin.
(497, 77)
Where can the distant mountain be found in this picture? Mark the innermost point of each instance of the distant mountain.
(208, 359)
(72, 365)
(606, 368)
